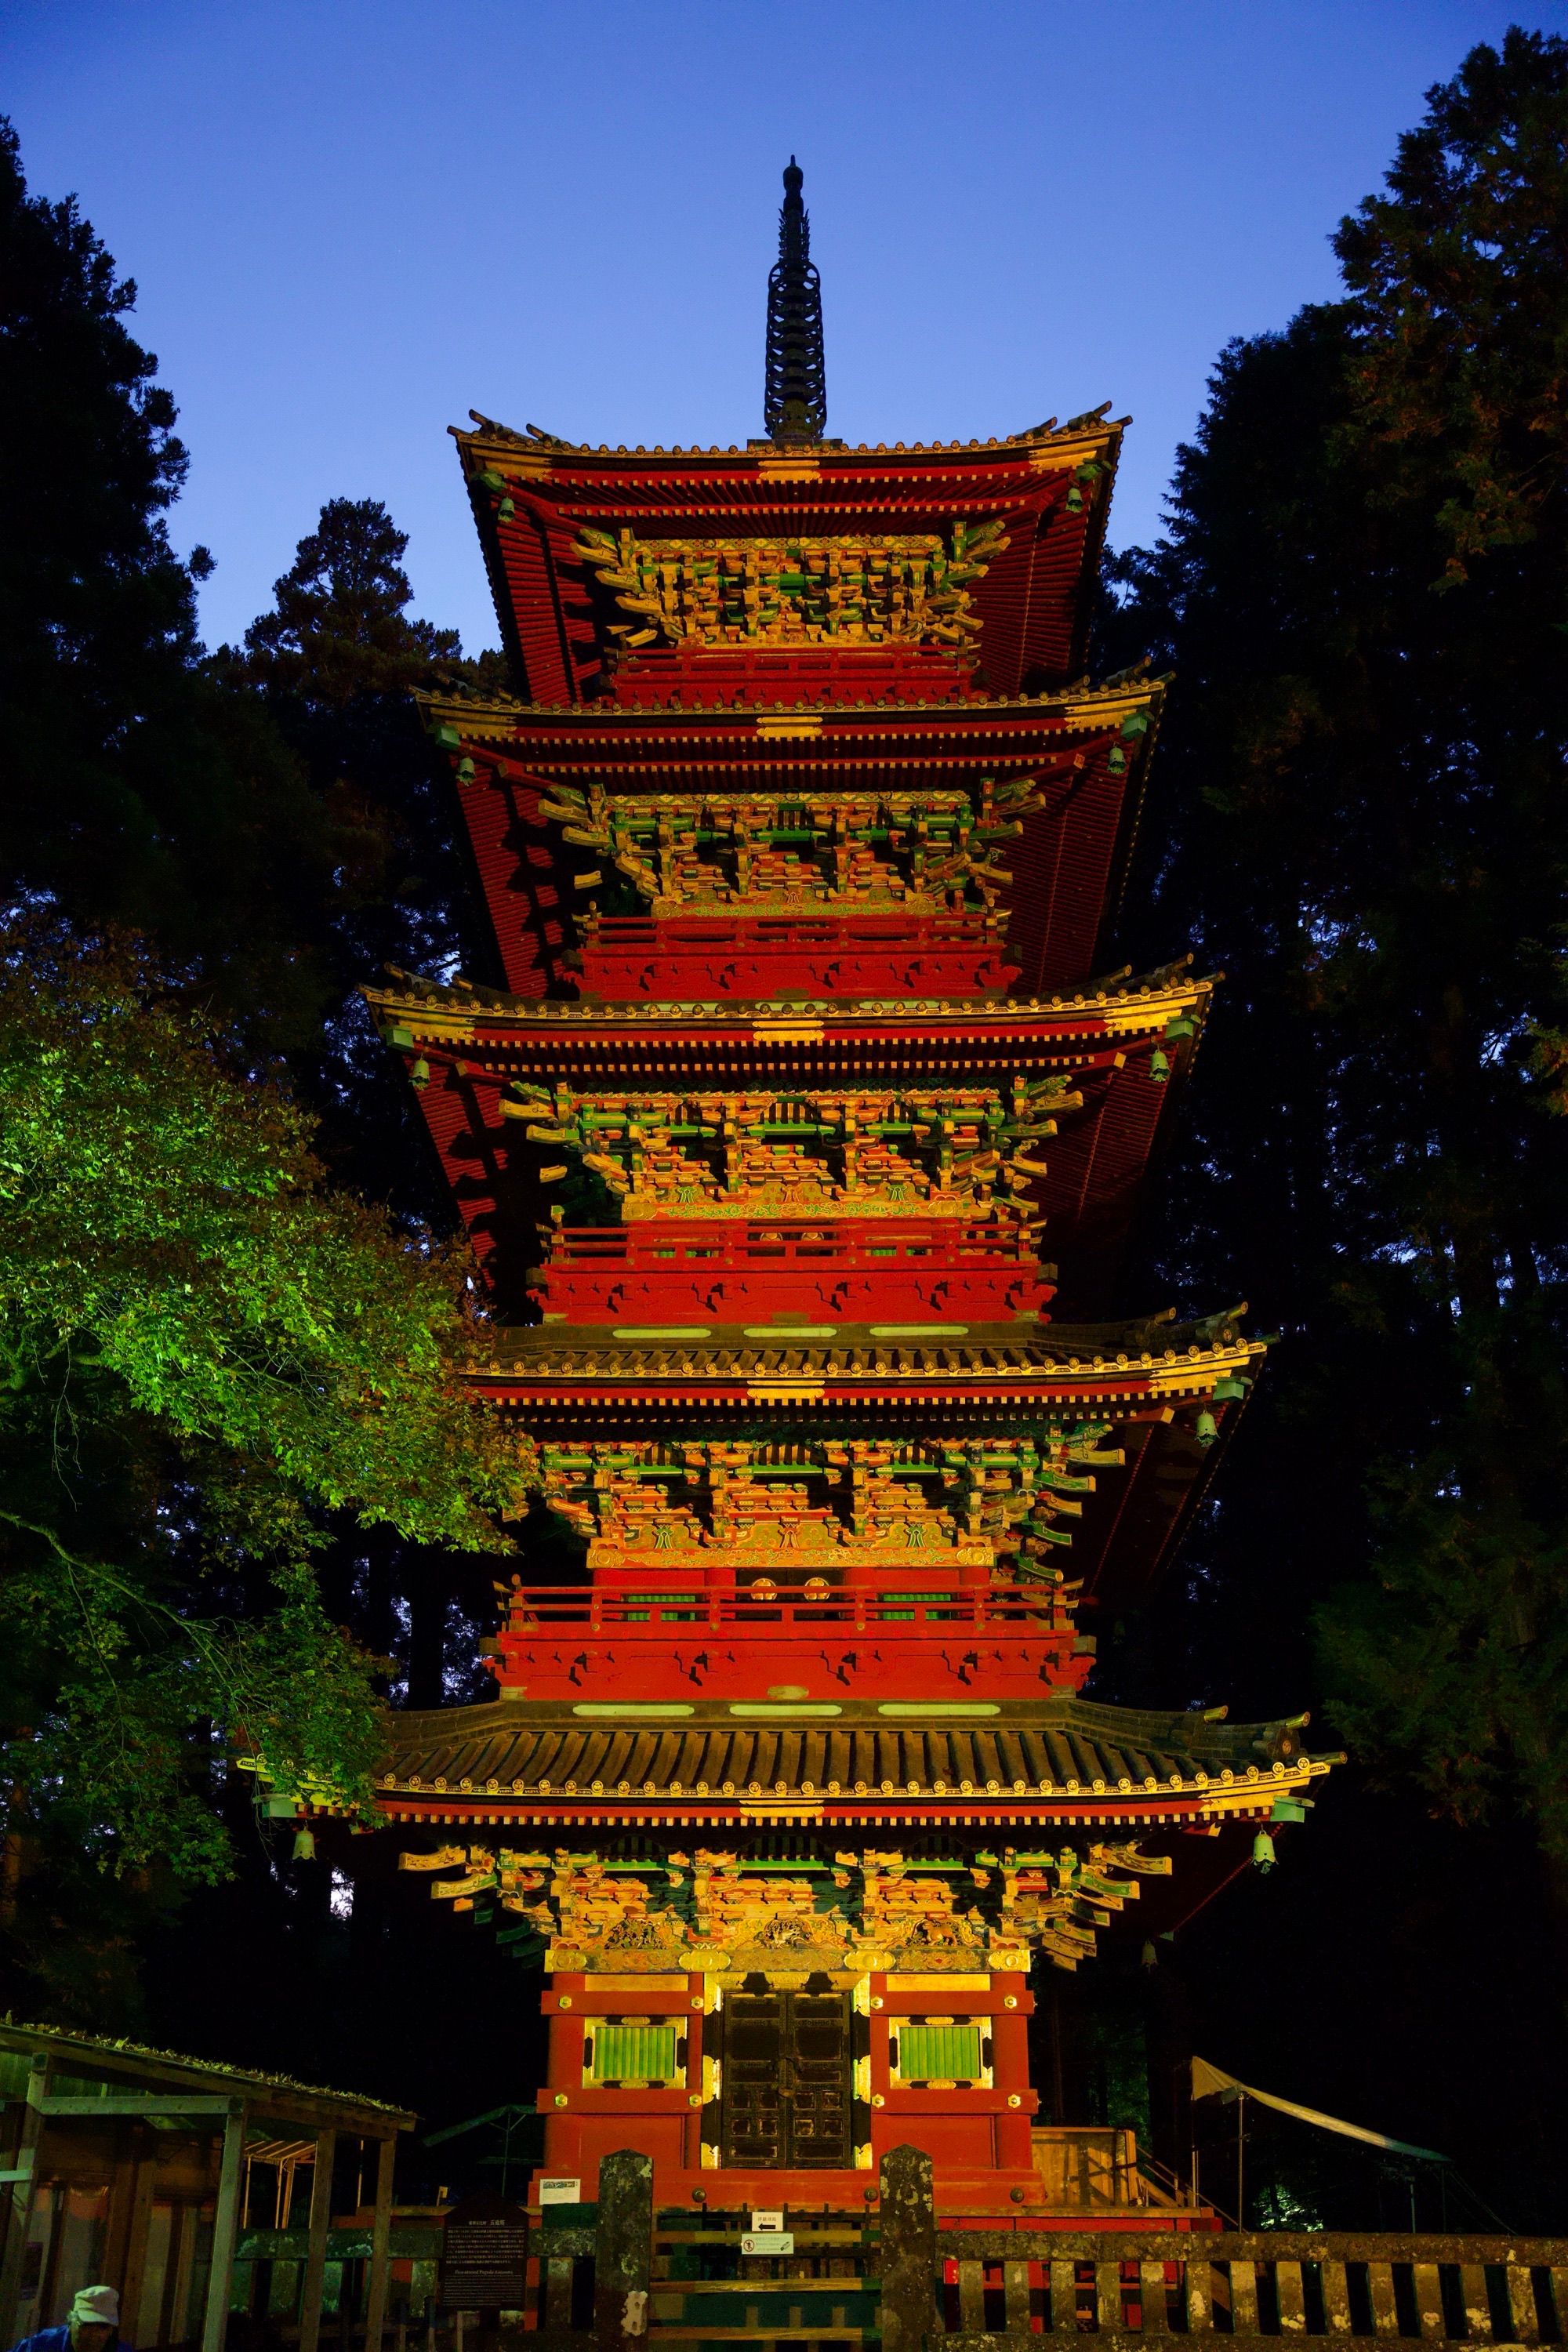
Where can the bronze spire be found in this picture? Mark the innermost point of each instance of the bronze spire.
(795, 399)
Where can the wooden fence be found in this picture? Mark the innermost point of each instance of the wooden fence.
(886, 2274)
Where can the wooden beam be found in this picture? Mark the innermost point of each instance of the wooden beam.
(226, 2229)
(380, 2246)
(19, 2204)
(133, 2269)
(316, 2245)
(182, 2266)
(125, 2166)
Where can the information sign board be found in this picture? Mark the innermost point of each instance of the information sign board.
(484, 2257)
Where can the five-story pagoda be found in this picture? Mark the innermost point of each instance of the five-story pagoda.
(800, 842)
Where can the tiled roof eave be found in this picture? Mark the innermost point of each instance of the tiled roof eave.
(1085, 707)
(461, 1012)
(584, 1353)
(475, 1760)
(546, 453)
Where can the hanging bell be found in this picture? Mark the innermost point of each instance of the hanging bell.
(1075, 500)
(419, 1076)
(506, 510)
(1263, 1850)
(1149, 1957)
(1205, 1429)
(1159, 1068)
(304, 1846)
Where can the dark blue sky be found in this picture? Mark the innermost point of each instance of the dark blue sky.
(352, 219)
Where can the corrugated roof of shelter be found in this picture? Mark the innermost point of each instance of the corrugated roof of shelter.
(94, 2049)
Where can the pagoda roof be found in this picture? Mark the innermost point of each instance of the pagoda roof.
(1058, 1761)
(1085, 751)
(768, 732)
(532, 493)
(476, 1043)
(1076, 1365)
(1086, 432)
(1142, 1386)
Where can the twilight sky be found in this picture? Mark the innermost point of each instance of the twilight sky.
(350, 220)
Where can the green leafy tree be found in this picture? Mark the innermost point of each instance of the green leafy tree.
(208, 1356)
(1364, 594)
(268, 823)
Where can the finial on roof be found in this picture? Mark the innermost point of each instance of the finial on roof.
(794, 397)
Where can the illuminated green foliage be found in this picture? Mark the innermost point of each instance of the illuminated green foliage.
(204, 1352)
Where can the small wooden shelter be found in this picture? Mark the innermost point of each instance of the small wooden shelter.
(137, 2166)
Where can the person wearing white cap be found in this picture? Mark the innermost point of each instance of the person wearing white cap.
(93, 2326)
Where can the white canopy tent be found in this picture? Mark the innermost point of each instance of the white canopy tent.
(1209, 2080)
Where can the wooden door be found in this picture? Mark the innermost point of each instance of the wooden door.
(786, 2080)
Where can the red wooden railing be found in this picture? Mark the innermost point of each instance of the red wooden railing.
(856, 1270)
(859, 1246)
(687, 958)
(842, 929)
(640, 1613)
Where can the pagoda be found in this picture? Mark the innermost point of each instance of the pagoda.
(800, 1153)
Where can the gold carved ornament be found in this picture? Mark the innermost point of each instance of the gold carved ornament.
(874, 590)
